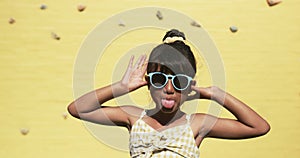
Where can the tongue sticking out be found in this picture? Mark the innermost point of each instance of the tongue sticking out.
(168, 103)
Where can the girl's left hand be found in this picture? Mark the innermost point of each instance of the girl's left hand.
(203, 92)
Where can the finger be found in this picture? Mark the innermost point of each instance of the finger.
(198, 90)
(138, 62)
(129, 65)
(195, 88)
(144, 68)
(193, 82)
(131, 61)
(144, 83)
(193, 96)
(144, 64)
(141, 61)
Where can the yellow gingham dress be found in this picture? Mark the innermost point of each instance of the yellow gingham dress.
(175, 142)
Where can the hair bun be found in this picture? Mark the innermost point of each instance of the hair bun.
(178, 36)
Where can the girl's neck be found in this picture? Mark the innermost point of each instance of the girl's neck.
(165, 118)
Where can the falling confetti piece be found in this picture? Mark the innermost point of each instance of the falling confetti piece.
(122, 23)
(273, 2)
(43, 7)
(11, 20)
(233, 29)
(55, 36)
(65, 115)
(81, 8)
(194, 23)
(159, 15)
(24, 131)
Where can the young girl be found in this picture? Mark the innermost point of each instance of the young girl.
(166, 131)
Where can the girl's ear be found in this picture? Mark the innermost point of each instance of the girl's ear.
(193, 83)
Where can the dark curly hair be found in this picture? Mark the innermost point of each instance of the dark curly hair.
(173, 58)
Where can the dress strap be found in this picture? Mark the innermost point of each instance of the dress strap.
(143, 114)
(188, 117)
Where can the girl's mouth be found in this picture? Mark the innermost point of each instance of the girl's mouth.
(167, 103)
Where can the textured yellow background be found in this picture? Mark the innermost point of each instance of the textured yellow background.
(261, 60)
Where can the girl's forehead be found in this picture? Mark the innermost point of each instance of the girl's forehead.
(164, 69)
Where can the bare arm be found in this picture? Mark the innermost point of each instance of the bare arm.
(88, 107)
(247, 124)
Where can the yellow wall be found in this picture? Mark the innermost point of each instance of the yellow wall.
(261, 60)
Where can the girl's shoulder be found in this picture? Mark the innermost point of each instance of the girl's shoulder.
(199, 122)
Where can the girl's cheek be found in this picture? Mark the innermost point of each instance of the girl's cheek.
(183, 97)
(155, 94)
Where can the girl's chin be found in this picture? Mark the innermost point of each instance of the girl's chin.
(166, 110)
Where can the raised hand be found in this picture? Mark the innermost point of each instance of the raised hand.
(205, 93)
(134, 75)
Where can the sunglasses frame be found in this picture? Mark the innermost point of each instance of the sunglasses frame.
(172, 77)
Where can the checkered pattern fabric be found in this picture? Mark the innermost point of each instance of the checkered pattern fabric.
(176, 142)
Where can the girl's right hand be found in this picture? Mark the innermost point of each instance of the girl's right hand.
(134, 76)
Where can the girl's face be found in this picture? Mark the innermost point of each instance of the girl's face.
(168, 99)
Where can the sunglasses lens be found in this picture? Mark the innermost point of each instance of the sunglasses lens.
(158, 80)
(181, 82)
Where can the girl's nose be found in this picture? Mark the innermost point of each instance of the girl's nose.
(169, 89)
